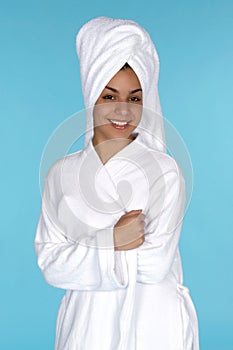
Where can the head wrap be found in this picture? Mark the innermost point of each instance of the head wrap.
(103, 46)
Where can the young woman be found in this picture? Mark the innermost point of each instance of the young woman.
(112, 213)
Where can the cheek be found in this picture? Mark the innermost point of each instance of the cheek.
(103, 109)
(101, 112)
(136, 111)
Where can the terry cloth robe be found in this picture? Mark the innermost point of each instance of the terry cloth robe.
(117, 300)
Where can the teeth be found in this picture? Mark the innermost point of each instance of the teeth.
(118, 123)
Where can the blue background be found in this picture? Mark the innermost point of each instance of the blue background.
(40, 88)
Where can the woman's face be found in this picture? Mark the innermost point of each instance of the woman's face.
(118, 109)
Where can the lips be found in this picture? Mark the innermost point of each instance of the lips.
(119, 124)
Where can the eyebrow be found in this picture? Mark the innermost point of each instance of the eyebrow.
(115, 90)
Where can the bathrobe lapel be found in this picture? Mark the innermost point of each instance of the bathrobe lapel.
(122, 179)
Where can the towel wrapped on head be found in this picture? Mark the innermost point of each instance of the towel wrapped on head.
(103, 46)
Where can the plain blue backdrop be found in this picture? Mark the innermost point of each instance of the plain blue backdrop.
(40, 87)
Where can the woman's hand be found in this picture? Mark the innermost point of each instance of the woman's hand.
(129, 230)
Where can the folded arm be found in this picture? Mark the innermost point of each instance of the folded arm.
(156, 255)
(90, 264)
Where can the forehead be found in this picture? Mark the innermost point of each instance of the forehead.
(125, 78)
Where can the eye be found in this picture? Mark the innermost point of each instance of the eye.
(135, 99)
(108, 97)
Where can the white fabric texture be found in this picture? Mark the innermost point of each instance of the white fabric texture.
(117, 300)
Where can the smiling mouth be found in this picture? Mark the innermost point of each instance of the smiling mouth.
(119, 122)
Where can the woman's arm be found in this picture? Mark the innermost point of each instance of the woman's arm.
(162, 233)
(83, 265)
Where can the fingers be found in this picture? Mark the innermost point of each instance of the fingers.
(135, 213)
(141, 240)
(131, 245)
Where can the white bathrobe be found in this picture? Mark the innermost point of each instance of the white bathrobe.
(116, 300)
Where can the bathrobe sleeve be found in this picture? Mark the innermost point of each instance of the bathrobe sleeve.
(83, 265)
(156, 255)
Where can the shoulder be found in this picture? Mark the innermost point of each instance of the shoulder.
(163, 169)
(156, 159)
(166, 161)
(169, 179)
(61, 166)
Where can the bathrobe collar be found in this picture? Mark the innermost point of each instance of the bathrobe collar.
(131, 151)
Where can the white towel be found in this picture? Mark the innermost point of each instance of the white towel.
(104, 45)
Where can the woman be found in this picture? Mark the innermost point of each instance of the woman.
(112, 213)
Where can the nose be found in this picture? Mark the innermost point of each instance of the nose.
(122, 109)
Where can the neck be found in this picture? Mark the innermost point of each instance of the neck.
(108, 148)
